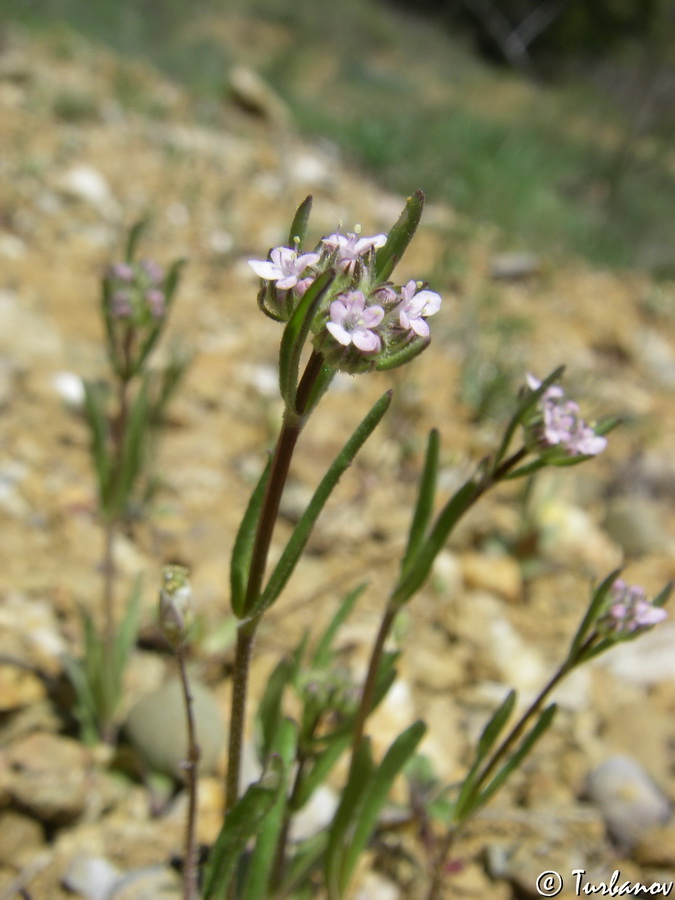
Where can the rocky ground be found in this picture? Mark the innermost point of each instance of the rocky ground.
(91, 143)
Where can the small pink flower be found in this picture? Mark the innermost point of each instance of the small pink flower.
(561, 426)
(352, 322)
(285, 266)
(350, 247)
(630, 609)
(415, 307)
(156, 302)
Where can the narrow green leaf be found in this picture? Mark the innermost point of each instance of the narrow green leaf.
(316, 774)
(94, 409)
(592, 613)
(376, 795)
(359, 777)
(306, 859)
(134, 449)
(399, 237)
(396, 358)
(242, 822)
(319, 388)
(487, 740)
(242, 551)
(524, 471)
(514, 762)
(295, 334)
(420, 566)
(425, 499)
(296, 235)
(135, 233)
(269, 713)
(323, 651)
(127, 632)
(259, 868)
(293, 550)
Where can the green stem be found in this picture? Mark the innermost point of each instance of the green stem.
(190, 885)
(368, 693)
(283, 453)
(506, 745)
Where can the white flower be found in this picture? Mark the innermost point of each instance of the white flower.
(350, 247)
(285, 266)
(352, 322)
(415, 307)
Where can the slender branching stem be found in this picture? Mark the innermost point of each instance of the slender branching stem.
(369, 685)
(508, 744)
(390, 613)
(190, 886)
(293, 423)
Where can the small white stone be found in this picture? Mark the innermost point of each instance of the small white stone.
(92, 877)
(70, 388)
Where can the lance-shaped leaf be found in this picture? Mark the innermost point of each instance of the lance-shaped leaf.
(94, 408)
(373, 798)
(514, 762)
(296, 235)
(324, 649)
(134, 448)
(487, 740)
(419, 567)
(135, 233)
(241, 823)
(295, 334)
(399, 237)
(269, 713)
(293, 550)
(315, 773)
(361, 772)
(403, 355)
(425, 498)
(261, 861)
(242, 550)
(595, 608)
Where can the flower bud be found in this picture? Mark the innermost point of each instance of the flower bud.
(176, 613)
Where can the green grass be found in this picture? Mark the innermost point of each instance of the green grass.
(409, 103)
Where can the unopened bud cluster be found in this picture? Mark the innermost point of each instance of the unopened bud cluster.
(362, 322)
(176, 614)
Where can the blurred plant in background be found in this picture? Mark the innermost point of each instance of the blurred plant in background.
(125, 415)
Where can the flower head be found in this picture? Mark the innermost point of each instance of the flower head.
(415, 306)
(352, 322)
(137, 292)
(351, 247)
(630, 610)
(284, 266)
(557, 424)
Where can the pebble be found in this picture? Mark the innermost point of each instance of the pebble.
(18, 687)
(48, 776)
(156, 727)
(646, 662)
(92, 877)
(628, 799)
(20, 837)
(499, 575)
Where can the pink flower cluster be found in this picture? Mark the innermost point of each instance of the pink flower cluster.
(136, 291)
(558, 424)
(359, 316)
(630, 609)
